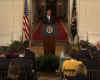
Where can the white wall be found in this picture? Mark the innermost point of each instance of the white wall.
(89, 19)
(11, 17)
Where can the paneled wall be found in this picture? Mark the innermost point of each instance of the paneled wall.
(89, 20)
(11, 14)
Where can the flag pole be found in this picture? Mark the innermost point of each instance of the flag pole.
(30, 11)
(72, 23)
(22, 34)
(22, 37)
(78, 28)
(31, 22)
(69, 21)
(27, 22)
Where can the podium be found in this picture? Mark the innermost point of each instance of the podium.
(49, 33)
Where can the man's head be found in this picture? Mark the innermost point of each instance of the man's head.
(67, 48)
(74, 54)
(49, 12)
(22, 52)
(13, 70)
(2, 55)
(26, 44)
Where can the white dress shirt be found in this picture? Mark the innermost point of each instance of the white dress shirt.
(48, 17)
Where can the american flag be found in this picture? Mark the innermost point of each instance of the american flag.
(74, 20)
(26, 22)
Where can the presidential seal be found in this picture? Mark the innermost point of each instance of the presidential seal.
(49, 29)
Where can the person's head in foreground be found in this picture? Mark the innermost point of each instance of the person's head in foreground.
(67, 48)
(2, 55)
(26, 44)
(13, 70)
(22, 52)
(74, 54)
(74, 64)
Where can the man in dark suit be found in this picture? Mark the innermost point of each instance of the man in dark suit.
(31, 55)
(49, 32)
(49, 18)
(28, 53)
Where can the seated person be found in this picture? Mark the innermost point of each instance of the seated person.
(74, 69)
(2, 55)
(22, 52)
(13, 70)
(28, 53)
(64, 55)
(11, 54)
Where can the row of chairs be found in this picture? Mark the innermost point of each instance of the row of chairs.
(27, 69)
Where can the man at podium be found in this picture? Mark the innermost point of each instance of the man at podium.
(49, 32)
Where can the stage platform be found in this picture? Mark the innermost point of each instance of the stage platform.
(37, 47)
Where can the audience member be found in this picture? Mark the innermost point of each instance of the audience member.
(29, 54)
(73, 64)
(11, 54)
(22, 52)
(13, 70)
(2, 55)
(64, 55)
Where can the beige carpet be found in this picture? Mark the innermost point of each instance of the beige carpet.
(39, 50)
